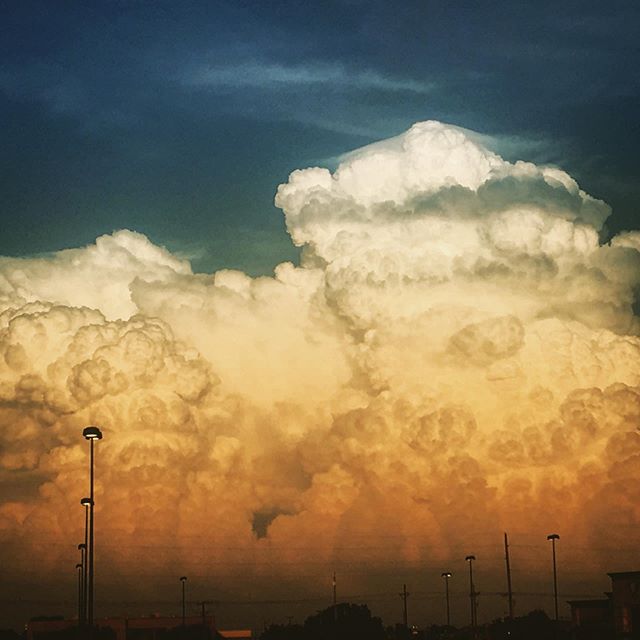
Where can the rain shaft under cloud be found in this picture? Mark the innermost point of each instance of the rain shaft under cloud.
(456, 355)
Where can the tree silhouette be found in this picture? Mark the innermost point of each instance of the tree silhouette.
(347, 622)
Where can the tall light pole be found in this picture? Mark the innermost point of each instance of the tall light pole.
(553, 537)
(183, 579)
(446, 575)
(91, 433)
(85, 502)
(79, 568)
(472, 593)
(82, 547)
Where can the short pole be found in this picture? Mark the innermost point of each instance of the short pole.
(183, 579)
(79, 568)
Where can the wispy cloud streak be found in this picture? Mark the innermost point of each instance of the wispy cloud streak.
(258, 75)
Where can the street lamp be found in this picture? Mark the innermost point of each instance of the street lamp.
(82, 547)
(85, 502)
(183, 579)
(472, 593)
(446, 575)
(91, 433)
(80, 590)
(553, 537)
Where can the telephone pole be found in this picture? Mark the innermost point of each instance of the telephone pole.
(203, 604)
(404, 595)
(509, 590)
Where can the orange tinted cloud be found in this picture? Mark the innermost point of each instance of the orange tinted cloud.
(457, 355)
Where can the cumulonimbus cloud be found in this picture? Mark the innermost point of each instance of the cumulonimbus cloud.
(456, 355)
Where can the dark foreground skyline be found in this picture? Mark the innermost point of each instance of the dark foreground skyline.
(605, 618)
(240, 603)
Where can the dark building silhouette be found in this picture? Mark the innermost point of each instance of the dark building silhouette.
(592, 619)
(616, 616)
(625, 588)
(151, 628)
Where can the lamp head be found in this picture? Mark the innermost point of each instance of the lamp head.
(92, 433)
(85, 502)
(446, 574)
(82, 546)
(553, 536)
(78, 566)
(183, 578)
(470, 558)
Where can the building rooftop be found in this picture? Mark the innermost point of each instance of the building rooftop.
(590, 604)
(624, 574)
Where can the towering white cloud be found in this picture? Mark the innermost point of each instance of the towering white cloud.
(457, 354)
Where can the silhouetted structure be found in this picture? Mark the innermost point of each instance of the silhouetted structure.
(335, 598)
(446, 575)
(473, 604)
(507, 561)
(553, 537)
(404, 595)
(85, 503)
(625, 590)
(183, 580)
(91, 434)
(153, 628)
(592, 619)
(616, 616)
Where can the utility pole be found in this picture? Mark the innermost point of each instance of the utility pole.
(204, 616)
(404, 595)
(335, 599)
(509, 590)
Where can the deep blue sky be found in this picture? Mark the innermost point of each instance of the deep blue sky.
(179, 119)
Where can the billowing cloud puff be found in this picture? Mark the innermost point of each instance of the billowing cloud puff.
(97, 276)
(457, 355)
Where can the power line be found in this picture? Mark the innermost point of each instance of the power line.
(386, 596)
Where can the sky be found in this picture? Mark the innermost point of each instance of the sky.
(178, 120)
(349, 288)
